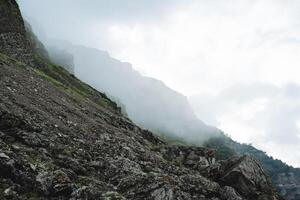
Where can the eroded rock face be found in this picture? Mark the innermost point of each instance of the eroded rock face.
(13, 40)
(289, 185)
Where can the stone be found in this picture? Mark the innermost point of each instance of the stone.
(230, 194)
(4, 156)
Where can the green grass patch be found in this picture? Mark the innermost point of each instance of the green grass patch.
(48, 78)
(34, 159)
(8, 59)
(68, 151)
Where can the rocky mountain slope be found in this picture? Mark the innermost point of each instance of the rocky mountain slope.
(113, 75)
(62, 139)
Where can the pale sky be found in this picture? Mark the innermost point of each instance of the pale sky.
(238, 61)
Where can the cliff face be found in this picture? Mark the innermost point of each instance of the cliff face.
(13, 40)
(62, 139)
(289, 185)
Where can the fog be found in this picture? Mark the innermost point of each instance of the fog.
(148, 101)
(257, 112)
(236, 61)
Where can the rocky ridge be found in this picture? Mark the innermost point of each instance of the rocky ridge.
(61, 139)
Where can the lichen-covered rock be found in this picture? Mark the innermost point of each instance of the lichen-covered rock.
(230, 194)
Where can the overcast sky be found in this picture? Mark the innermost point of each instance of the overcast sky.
(237, 61)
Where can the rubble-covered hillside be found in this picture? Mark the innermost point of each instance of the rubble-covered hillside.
(61, 139)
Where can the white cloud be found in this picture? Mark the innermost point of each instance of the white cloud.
(209, 46)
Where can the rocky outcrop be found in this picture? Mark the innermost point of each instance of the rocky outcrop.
(285, 178)
(13, 40)
(246, 176)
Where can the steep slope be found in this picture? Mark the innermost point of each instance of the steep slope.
(149, 102)
(56, 143)
(61, 139)
(113, 76)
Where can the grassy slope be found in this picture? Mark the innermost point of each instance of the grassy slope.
(60, 77)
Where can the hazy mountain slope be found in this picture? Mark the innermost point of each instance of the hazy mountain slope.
(61, 139)
(62, 58)
(57, 143)
(149, 102)
(146, 95)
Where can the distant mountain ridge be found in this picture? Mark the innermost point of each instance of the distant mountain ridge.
(148, 101)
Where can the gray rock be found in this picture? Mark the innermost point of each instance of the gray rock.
(230, 194)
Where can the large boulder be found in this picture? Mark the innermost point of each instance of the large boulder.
(246, 176)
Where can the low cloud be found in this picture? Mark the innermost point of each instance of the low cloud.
(265, 115)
